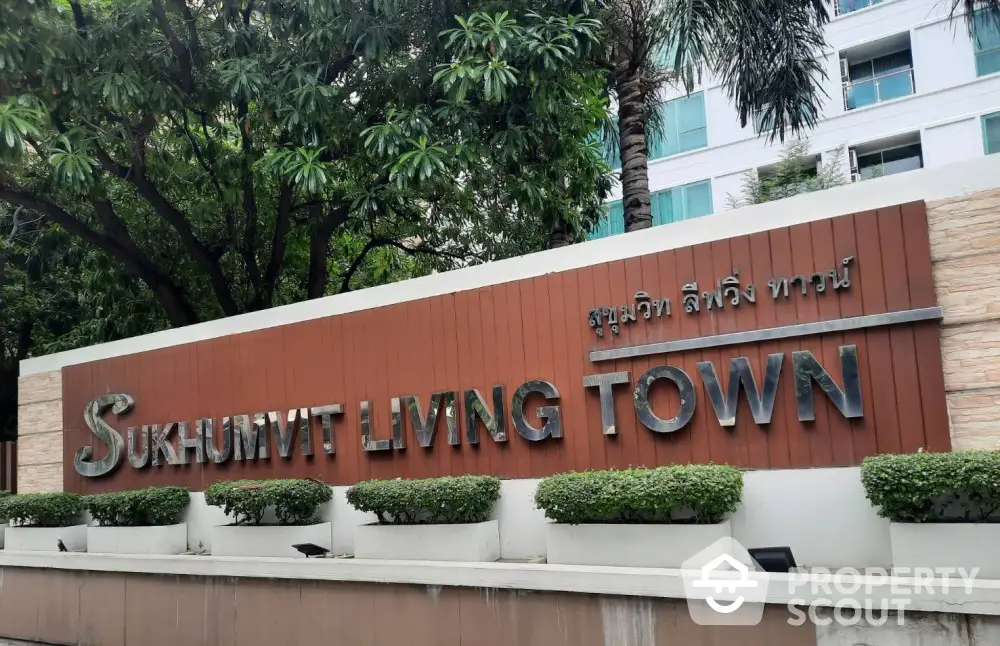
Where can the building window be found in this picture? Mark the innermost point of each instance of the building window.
(847, 6)
(611, 153)
(991, 133)
(672, 205)
(986, 41)
(684, 127)
(890, 161)
(612, 223)
(682, 202)
(879, 79)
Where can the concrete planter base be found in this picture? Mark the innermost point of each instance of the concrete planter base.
(629, 545)
(45, 539)
(944, 545)
(164, 539)
(471, 542)
(268, 540)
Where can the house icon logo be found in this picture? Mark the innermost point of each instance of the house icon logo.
(724, 586)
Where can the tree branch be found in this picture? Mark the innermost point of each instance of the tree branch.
(345, 284)
(249, 246)
(192, 28)
(278, 242)
(319, 245)
(196, 149)
(166, 292)
(374, 243)
(175, 218)
(180, 48)
(78, 18)
(338, 67)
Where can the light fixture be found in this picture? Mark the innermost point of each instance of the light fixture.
(773, 559)
(309, 549)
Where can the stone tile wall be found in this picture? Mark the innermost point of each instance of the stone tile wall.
(40, 436)
(965, 249)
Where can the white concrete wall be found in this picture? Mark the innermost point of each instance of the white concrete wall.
(953, 141)
(946, 89)
(725, 186)
(943, 55)
(822, 514)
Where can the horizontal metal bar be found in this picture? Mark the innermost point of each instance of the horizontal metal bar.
(770, 334)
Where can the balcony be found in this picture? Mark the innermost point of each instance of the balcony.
(877, 71)
(884, 87)
(840, 7)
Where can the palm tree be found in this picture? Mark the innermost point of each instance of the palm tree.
(767, 54)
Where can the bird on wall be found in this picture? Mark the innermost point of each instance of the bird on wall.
(311, 550)
(61, 545)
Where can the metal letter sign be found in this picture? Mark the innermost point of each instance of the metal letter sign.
(807, 370)
(173, 443)
(552, 426)
(604, 383)
(740, 373)
(94, 418)
(685, 389)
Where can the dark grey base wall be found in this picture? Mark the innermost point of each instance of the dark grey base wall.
(101, 609)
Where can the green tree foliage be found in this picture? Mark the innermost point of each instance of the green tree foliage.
(796, 172)
(56, 294)
(231, 155)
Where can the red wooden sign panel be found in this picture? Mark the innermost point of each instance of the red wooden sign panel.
(538, 329)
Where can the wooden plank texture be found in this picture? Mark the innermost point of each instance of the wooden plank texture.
(538, 329)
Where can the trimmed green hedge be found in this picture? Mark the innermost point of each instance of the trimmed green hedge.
(702, 494)
(294, 501)
(43, 509)
(448, 500)
(957, 487)
(140, 508)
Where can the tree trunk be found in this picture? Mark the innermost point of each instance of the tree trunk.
(560, 235)
(319, 246)
(632, 132)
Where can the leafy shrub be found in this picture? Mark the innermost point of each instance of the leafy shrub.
(448, 500)
(700, 494)
(140, 508)
(4, 494)
(43, 509)
(294, 501)
(935, 487)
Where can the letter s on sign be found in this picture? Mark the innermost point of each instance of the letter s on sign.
(93, 416)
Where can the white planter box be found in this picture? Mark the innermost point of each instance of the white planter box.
(268, 540)
(470, 542)
(629, 545)
(45, 539)
(944, 545)
(163, 539)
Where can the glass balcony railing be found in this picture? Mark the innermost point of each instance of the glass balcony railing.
(864, 92)
(840, 7)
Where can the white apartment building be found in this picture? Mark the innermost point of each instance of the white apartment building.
(907, 88)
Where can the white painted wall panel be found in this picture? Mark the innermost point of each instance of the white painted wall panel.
(952, 142)
(822, 514)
